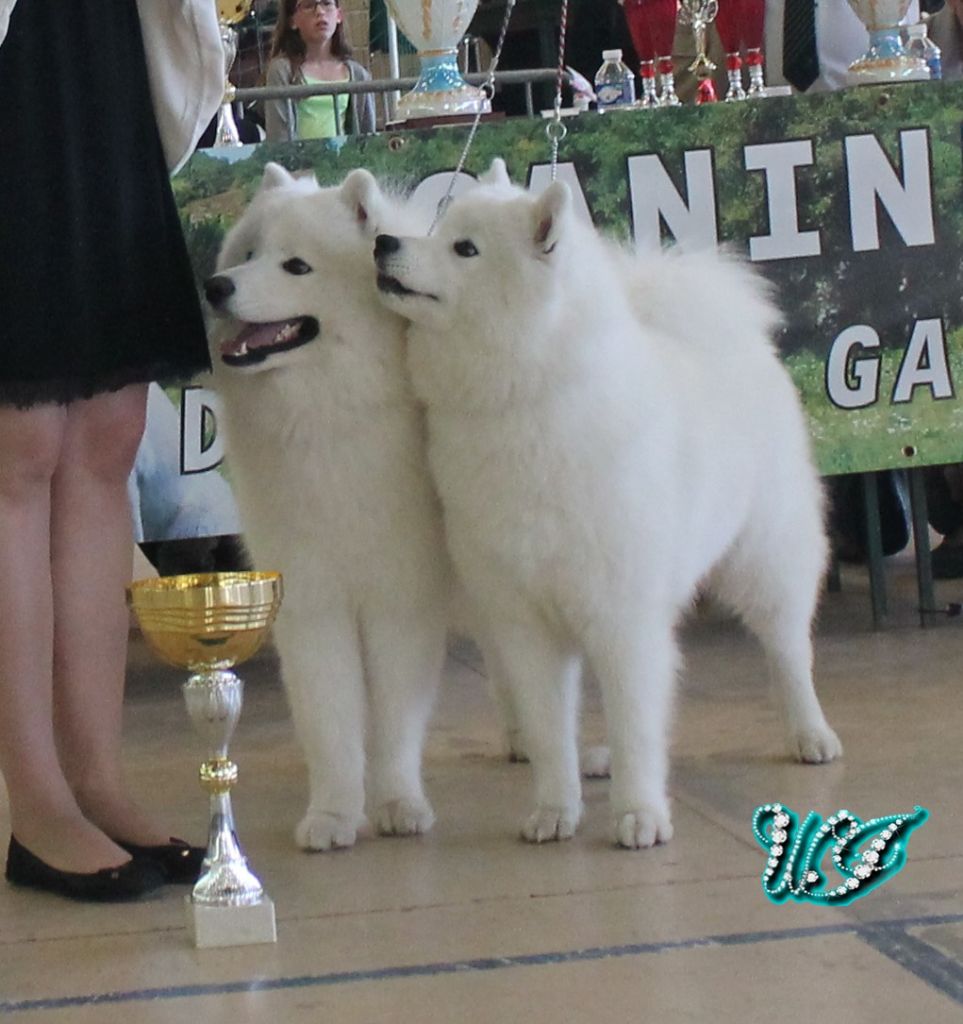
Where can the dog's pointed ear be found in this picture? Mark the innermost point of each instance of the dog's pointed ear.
(497, 174)
(362, 195)
(275, 176)
(549, 217)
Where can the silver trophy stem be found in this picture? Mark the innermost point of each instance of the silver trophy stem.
(735, 92)
(668, 96)
(226, 880)
(226, 133)
(650, 94)
(228, 905)
(214, 699)
(757, 82)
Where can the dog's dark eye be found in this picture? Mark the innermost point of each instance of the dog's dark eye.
(296, 265)
(248, 256)
(465, 247)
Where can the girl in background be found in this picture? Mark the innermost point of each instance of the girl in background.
(309, 48)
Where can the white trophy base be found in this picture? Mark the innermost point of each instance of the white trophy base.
(212, 927)
(464, 102)
(884, 72)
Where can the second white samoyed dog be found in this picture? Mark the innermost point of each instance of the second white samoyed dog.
(326, 450)
(605, 435)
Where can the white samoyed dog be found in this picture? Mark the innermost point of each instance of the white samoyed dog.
(607, 433)
(327, 456)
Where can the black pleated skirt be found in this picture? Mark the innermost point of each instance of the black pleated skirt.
(96, 289)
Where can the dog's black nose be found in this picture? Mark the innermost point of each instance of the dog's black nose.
(386, 244)
(218, 289)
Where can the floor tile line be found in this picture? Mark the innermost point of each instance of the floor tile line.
(926, 962)
(901, 944)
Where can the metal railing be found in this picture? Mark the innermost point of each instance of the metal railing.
(385, 87)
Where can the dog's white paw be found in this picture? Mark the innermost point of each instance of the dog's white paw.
(643, 827)
(596, 763)
(404, 817)
(547, 824)
(319, 830)
(815, 746)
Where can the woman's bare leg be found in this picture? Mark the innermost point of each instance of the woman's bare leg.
(44, 814)
(91, 546)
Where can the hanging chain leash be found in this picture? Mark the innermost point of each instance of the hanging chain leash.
(555, 129)
(489, 89)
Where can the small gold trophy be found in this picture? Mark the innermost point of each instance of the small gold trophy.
(207, 624)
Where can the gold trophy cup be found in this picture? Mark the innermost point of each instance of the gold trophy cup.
(207, 624)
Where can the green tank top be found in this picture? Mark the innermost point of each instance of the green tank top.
(316, 114)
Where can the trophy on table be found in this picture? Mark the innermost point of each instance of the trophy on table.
(753, 27)
(699, 14)
(644, 46)
(886, 60)
(729, 27)
(229, 14)
(435, 28)
(660, 17)
(208, 623)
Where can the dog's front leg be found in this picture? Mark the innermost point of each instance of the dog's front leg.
(403, 659)
(323, 677)
(543, 677)
(635, 659)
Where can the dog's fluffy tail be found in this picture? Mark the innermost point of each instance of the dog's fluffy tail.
(701, 296)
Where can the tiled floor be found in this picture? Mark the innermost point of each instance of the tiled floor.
(470, 925)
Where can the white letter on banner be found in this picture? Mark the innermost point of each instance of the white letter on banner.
(865, 371)
(540, 177)
(779, 160)
(654, 196)
(908, 202)
(430, 191)
(199, 407)
(924, 363)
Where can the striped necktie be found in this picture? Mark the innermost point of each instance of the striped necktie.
(800, 63)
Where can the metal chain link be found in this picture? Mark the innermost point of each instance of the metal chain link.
(488, 87)
(555, 130)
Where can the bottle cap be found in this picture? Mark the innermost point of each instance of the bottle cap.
(611, 55)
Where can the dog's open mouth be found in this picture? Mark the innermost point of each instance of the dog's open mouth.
(256, 342)
(392, 286)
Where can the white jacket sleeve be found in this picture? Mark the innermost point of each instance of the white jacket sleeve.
(6, 7)
(185, 63)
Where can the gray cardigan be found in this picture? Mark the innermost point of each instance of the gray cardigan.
(281, 115)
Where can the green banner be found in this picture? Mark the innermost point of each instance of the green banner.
(848, 202)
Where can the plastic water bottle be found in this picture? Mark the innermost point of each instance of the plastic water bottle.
(920, 45)
(614, 83)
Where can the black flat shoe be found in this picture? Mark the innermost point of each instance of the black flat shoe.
(126, 882)
(179, 861)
